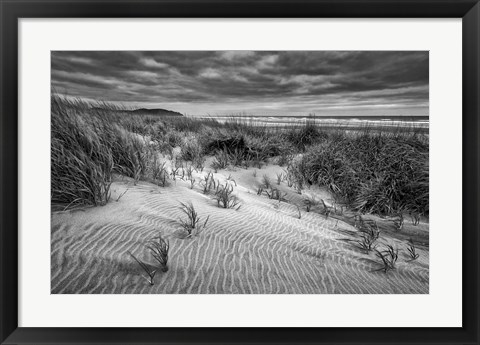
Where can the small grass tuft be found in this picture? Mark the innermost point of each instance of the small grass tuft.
(389, 257)
(369, 236)
(279, 178)
(207, 182)
(159, 248)
(412, 250)
(122, 194)
(327, 209)
(225, 198)
(220, 161)
(146, 268)
(192, 224)
(266, 182)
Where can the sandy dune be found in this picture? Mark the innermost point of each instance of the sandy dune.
(263, 248)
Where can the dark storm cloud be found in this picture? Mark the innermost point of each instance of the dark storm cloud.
(281, 82)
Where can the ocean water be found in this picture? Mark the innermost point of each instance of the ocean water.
(420, 122)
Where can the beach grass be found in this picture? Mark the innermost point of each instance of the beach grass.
(373, 171)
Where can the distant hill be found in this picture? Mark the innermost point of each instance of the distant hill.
(142, 111)
(155, 112)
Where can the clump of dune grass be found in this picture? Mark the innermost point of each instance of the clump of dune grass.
(191, 149)
(296, 175)
(148, 269)
(159, 248)
(225, 197)
(398, 221)
(266, 182)
(199, 163)
(230, 178)
(304, 136)
(175, 172)
(275, 194)
(389, 257)
(280, 178)
(191, 225)
(415, 218)
(257, 162)
(247, 160)
(189, 171)
(327, 208)
(412, 252)
(285, 158)
(236, 157)
(159, 172)
(374, 172)
(220, 161)
(260, 190)
(208, 182)
(88, 144)
(369, 234)
(81, 159)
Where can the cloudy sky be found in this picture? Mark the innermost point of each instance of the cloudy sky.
(249, 82)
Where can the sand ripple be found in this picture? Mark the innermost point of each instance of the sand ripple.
(261, 249)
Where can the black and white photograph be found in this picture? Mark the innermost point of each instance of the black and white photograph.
(239, 172)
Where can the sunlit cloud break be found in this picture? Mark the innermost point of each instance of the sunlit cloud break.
(250, 82)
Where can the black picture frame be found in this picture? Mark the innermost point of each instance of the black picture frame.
(12, 11)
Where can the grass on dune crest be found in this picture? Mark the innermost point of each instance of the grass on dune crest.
(370, 170)
(373, 173)
(86, 149)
